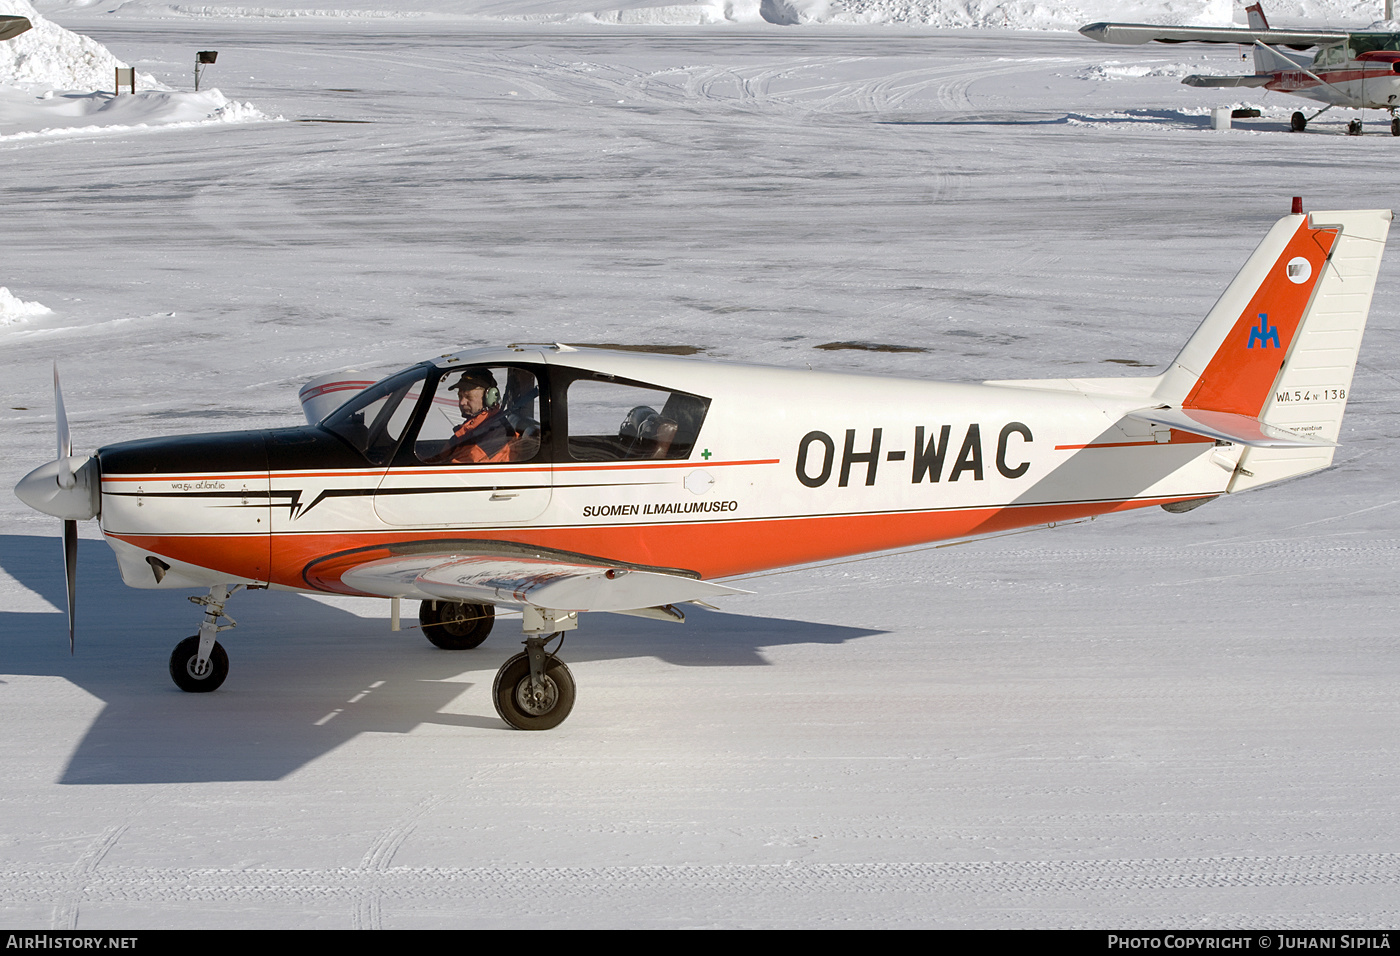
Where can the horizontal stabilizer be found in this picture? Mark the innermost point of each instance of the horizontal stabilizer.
(535, 582)
(1136, 33)
(1228, 426)
(1252, 79)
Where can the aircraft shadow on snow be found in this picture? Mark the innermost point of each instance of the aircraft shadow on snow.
(1154, 117)
(294, 662)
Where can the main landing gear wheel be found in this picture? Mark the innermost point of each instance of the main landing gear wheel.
(1354, 128)
(1395, 126)
(527, 705)
(188, 676)
(456, 627)
(1298, 123)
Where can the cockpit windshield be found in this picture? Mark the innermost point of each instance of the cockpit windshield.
(1369, 42)
(373, 421)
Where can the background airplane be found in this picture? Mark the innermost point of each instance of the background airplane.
(1355, 69)
(11, 26)
(502, 477)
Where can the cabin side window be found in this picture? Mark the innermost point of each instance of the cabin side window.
(615, 420)
(1334, 55)
(482, 415)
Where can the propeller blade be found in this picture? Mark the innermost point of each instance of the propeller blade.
(70, 572)
(65, 441)
(66, 480)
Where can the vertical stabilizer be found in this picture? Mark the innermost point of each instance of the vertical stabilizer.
(1310, 394)
(1257, 20)
(1231, 361)
(1280, 345)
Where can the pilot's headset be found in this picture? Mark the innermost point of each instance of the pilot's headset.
(635, 425)
(481, 378)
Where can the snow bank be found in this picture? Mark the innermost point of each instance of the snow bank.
(14, 310)
(66, 66)
(25, 116)
(1008, 14)
(51, 57)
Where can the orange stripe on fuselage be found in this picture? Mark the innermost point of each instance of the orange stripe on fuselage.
(379, 473)
(713, 549)
(1242, 372)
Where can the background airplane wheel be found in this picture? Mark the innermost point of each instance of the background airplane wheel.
(182, 670)
(1354, 128)
(1395, 126)
(1298, 123)
(517, 707)
(454, 626)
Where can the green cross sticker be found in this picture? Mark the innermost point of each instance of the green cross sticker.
(705, 454)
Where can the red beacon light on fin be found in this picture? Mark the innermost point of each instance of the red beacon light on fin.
(1297, 205)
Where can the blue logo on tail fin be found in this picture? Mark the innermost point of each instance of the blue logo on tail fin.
(1264, 333)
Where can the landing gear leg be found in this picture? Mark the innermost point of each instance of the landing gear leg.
(199, 664)
(1299, 122)
(535, 690)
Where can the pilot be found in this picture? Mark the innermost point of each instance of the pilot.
(485, 434)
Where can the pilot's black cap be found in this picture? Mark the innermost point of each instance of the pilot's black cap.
(476, 378)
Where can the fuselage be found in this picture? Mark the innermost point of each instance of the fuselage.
(769, 467)
(1359, 84)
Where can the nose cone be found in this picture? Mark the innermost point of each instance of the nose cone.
(42, 489)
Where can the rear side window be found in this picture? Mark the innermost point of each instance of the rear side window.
(613, 420)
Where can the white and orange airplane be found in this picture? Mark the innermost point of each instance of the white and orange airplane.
(558, 480)
(1357, 69)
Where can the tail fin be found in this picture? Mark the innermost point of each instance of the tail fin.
(1257, 20)
(1280, 345)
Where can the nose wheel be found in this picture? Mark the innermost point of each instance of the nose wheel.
(196, 676)
(199, 663)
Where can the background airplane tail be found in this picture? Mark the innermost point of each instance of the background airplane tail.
(1280, 345)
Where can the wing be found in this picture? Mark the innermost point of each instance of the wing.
(1228, 426)
(1252, 79)
(1136, 33)
(13, 26)
(544, 582)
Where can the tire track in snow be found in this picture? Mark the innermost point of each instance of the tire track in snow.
(80, 874)
(698, 884)
(368, 912)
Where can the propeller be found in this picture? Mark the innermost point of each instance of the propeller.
(66, 481)
(69, 487)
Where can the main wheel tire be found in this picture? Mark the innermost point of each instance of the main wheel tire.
(1298, 122)
(456, 627)
(523, 711)
(1395, 126)
(182, 669)
(1354, 128)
